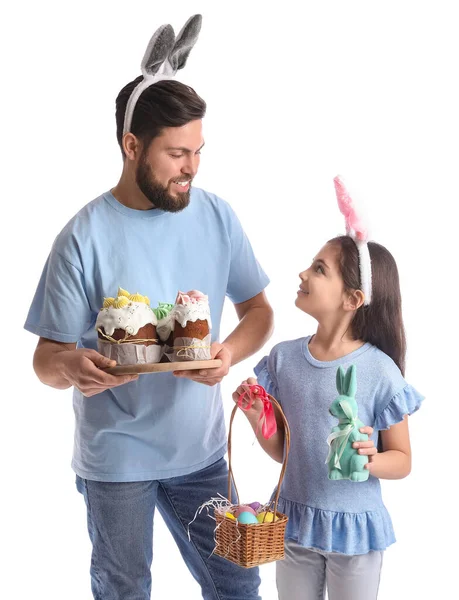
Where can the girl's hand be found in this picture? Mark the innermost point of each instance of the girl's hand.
(257, 405)
(366, 448)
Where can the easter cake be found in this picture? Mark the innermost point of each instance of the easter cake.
(185, 329)
(126, 329)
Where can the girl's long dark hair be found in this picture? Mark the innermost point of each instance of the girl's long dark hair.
(380, 323)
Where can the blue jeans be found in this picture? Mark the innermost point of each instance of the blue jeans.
(120, 525)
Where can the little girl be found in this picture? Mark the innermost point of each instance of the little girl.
(338, 530)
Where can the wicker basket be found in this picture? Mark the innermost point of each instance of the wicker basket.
(253, 544)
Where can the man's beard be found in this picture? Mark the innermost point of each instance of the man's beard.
(156, 193)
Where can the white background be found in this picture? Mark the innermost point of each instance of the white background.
(296, 93)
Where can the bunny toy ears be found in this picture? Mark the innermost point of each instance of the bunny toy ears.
(358, 232)
(164, 56)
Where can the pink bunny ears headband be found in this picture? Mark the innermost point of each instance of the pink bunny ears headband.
(164, 56)
(358, 232)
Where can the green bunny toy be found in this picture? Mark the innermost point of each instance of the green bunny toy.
(343, 460)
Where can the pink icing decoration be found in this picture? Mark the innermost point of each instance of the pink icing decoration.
(196, 295)
(348, 210)
(182, 298)
(191, 297)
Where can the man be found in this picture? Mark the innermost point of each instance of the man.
(158, 440)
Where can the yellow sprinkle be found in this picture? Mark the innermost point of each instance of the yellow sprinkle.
(108, 302)
(147, 300)
(122, 292)
(137, 298)
(120, 302)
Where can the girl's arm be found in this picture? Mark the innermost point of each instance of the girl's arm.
(274, 447)
(394, 462)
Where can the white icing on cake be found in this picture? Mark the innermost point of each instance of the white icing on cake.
(165, 326)
(192, 312)
(131, 318)
(183, 313)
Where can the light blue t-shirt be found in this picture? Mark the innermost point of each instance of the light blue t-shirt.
(334, 516)
(158, 426)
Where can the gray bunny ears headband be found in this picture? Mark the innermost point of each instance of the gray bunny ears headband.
(165, 55)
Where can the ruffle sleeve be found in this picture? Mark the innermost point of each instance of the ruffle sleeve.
(405, 402)
(265, 378)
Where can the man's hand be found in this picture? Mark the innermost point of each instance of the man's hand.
(210, 376)
(61, 365)
(82, 368)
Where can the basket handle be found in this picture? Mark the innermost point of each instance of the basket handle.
(286, 453)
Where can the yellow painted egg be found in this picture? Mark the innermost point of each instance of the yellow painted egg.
(269, 518)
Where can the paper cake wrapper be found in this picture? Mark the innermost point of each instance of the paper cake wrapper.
(130, 354)
(186, 348)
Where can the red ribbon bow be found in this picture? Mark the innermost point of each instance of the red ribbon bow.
(267, 417)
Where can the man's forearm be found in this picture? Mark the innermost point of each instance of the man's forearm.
(48, 367)
(252, 332)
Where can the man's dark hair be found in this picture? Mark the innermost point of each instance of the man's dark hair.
(167, 103)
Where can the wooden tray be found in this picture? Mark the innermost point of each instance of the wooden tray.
(187, 365)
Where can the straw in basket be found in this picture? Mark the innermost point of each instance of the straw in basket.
(250, 545)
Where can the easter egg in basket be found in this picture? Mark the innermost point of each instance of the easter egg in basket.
(266, 517)
(243, 508)
(247, 518)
